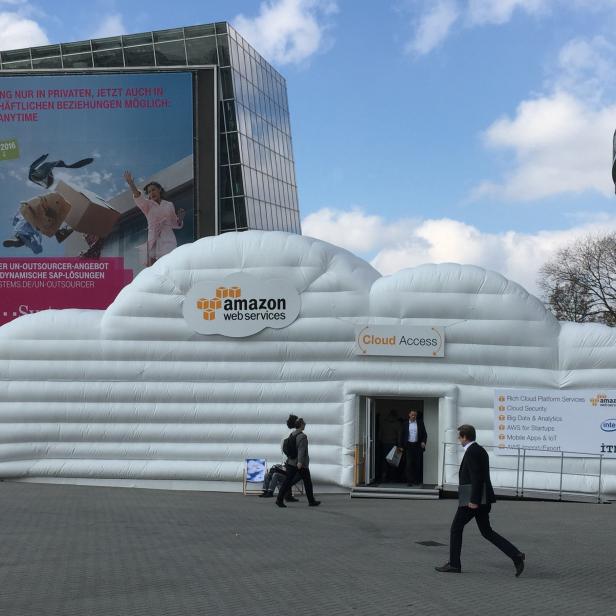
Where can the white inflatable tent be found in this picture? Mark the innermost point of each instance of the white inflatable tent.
(133, 396)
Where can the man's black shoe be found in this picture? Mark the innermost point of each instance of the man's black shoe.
(518, 561)
(447, 568)
(314, 503)
(281, 504)
(291, 499)
(266, 494)
(13, 242)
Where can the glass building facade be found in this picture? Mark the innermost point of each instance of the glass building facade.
(256, 185)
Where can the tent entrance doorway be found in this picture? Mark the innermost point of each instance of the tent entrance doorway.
(382, 424)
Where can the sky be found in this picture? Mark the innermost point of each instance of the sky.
(468, 131)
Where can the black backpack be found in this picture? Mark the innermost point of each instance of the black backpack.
(289, 446)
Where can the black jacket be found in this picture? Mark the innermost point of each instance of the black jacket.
(475, 470)
(422, 435)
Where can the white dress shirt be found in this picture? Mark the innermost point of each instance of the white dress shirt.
(412, 431)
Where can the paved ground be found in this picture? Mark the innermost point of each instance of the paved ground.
(69, 550)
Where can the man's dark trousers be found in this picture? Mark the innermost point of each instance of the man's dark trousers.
(414, 462)
(482, 516)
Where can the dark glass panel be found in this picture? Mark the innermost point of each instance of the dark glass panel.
(244, 149)
(223, 50)
(227, 217)
(106, 59)
(79, 60)
(111, 42)
(14, 55)
(223, 154)
(235, 53)
(47, 63)
(241, 67)
(221, 27)
(137, 39)
(241, 125)
(236, 180)
(202, 30)
(221, 118)
(240, 213)
(170, 54)
(11, 66)
(247, 174)
(234, 148)
(78, 47)
(224, 183)
(225, 82)
(173, 34)
(139, 56)
(43, 52)
(202, 50)
(230, 120)
(237, 86)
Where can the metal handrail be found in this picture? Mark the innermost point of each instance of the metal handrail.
(523, 454)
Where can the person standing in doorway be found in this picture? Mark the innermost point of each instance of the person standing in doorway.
(298, 464)
(475, 496)
(414, 439)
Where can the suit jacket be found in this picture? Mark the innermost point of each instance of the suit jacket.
(475, 471)
(422, 435)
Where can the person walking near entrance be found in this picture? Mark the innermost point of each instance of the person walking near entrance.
(298, 461)
(414, 439)
(475, 496)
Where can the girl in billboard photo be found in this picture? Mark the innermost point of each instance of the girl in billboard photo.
(161, 216)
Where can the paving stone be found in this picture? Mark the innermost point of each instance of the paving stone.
(74, 550)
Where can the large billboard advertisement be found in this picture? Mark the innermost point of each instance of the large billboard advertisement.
(97, 176)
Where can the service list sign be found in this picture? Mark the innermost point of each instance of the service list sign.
(553, 421)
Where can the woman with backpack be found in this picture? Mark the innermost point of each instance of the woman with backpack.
(296, 449)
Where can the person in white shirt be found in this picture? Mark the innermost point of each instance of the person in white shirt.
(414, 439)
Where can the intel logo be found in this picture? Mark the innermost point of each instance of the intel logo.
(609, 425)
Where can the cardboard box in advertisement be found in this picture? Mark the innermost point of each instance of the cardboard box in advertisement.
(88, 213)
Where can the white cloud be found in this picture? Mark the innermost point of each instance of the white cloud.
(437, 17)
(18, 31)
(501, 11)
(111, 25)
(561, 141)
(287, 31)
(362, 232)
(433, 27)
(395, 245)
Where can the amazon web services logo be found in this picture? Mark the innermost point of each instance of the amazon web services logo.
(210, 306)
(602, 400)
(241, 306)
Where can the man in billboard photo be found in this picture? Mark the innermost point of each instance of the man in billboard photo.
(161, 216)
(414, 438)
(475, 498)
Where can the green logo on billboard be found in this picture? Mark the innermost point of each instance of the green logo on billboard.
(9, 150)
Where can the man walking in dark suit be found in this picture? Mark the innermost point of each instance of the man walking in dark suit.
(414, 438)
(475, 496)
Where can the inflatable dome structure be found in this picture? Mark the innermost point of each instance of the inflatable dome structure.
(133, 395)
